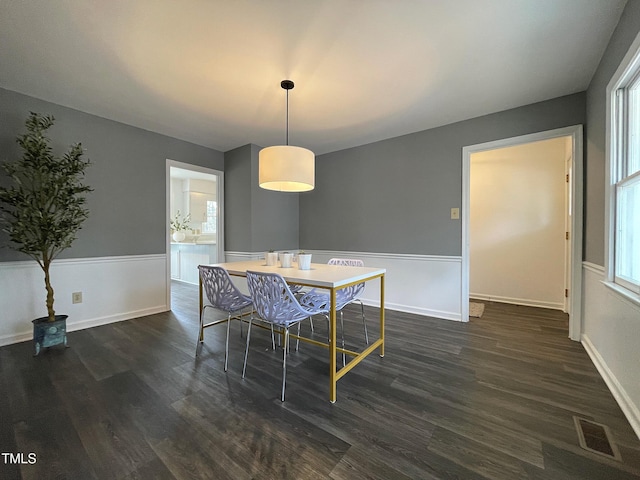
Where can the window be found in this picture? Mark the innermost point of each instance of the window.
(210, 226)
(624, 178)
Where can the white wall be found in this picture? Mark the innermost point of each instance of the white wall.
(517, 224)
(176, 201)
(610, 335)
(113, 289)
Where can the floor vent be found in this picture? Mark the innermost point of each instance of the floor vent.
(596, 438)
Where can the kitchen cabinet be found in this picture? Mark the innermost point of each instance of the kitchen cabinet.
(185, 258)
(196, 194)
(197, 205)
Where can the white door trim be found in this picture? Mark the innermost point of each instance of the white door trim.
(219, 199)
(568, 170)
(575, 294)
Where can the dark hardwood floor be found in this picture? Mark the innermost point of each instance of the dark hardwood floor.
(491, 399)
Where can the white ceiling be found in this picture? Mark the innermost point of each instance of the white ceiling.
(209, 71)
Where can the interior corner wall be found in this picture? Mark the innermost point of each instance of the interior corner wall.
(610, 323)
(127, 172)
(256, 220)
(118, 261)
(595, 158)
(237, 199)
(396, 195)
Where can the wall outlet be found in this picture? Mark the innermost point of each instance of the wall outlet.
(76, 297)
(455, 213)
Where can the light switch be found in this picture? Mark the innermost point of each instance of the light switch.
(455, 213)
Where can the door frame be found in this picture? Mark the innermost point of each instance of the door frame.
(219, 227)
(575, 293)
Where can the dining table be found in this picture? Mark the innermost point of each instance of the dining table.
(331, 278)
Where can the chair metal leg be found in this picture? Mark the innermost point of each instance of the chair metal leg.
(311, 322)
(328, 328)
(246, 350)
(297, 339)
(226, 343)
(364, 322)
(273, 339)
(344, 358)
(200, 339)
(285, 350)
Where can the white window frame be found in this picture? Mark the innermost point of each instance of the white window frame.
(628, 73)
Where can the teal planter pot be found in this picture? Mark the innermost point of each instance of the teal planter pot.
(48, 334)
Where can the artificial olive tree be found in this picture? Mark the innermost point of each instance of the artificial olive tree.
(44, 207)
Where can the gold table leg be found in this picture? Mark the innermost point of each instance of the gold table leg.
(332, 349)
(382, 315)
(200, 299)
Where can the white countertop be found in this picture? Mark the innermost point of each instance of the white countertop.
(201, 242)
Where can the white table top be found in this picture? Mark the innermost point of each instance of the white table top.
(320, 275)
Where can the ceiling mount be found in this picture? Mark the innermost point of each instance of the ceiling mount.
(287, 84)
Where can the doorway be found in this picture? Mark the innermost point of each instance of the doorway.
(574, 222)
(518, 230)
(195, 209)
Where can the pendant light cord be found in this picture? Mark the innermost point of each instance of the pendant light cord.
(287, 117)
(287, 85)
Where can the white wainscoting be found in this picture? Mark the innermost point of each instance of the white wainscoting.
(611, 337)
(422, 284)
(113, 289)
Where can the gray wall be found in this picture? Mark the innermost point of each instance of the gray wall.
(256, 219)
(395, 195)
(595, 162)
(128, 215)
(237, 199)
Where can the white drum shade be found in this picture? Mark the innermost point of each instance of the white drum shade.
(286, 169)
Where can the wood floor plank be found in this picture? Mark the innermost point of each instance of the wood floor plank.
(115, 446)
(464, 421)
(8, 442)
(57, 446)
(187, 460)
(248, 439)
(475, 456)
(155, 469)
(581, 467)
(493, 398)
(359, 464)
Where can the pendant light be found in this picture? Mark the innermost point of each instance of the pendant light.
(286, 168)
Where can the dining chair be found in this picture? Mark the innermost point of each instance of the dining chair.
(223, 295)
(344, 296)
(277, 305)
(295, 288)
(356, 290)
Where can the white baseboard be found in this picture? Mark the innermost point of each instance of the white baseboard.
(625, 402)
(96, 322)
(81, 325)
(516, 301)
(113, 289)
(610, 336)
(427, 312)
